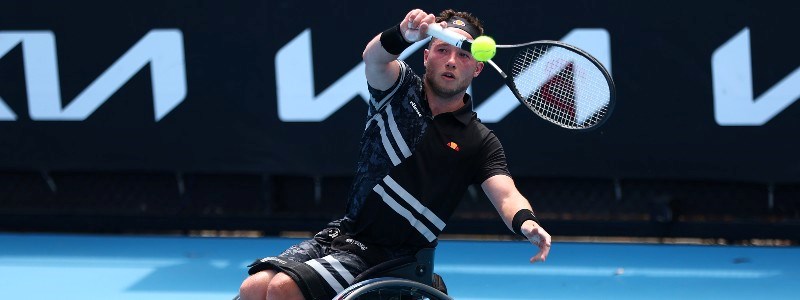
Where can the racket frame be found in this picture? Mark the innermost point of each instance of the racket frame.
(455, 39)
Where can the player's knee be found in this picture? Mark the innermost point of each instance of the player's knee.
(284, 288)
(255, 286)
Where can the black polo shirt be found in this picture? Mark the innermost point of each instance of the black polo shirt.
(414, 168)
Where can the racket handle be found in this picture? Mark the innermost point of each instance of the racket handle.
(452, 38)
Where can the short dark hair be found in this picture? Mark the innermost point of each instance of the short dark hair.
(449, 13)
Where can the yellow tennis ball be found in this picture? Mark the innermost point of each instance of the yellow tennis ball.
(483, 48)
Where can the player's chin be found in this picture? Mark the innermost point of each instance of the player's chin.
(454, 83)
(447, 89)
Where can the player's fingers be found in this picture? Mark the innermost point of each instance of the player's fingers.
(541, 239)
(423, 29)
(410, 19)
(419, 19)
(406, 23)
(546, 239)
(541, 255)
(429, 18)
(542, 235)
(538, 258)
(545, 251)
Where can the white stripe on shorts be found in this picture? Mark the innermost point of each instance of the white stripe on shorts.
(326, 275)
(340, 269)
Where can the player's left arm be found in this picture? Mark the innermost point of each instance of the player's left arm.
(508, 201)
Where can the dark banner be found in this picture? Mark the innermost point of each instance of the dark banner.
(705, 90)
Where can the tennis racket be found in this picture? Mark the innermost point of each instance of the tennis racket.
(557, 81)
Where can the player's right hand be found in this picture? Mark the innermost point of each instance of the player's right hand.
(414, 26)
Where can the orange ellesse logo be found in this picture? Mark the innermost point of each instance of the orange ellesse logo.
(453, 146)
(459, 23)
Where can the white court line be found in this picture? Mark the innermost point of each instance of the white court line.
(605, 271)
(56, 261)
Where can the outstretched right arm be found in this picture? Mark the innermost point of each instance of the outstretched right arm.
(382, 68)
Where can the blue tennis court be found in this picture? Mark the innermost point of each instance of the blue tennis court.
(39, 266)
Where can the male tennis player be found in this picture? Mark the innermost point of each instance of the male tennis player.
(421, 148)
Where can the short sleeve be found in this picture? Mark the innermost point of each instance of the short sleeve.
(493, 159)
(379, 99)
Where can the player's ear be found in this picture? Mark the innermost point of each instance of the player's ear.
(425, 57)
(478, 69)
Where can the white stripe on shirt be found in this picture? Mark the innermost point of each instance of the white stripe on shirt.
(380, 104)
(398, 138)
(386, 143)
(405, 213)
(400, 191)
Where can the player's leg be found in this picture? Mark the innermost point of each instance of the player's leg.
(283, 287)
(320, 278)
(268, 275)
(268, 285)
(255, 286)
(264, 271)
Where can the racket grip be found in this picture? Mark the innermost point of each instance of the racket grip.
(452, 38)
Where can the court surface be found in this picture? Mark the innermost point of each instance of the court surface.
(38, 266)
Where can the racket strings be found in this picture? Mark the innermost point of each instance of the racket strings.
(561, 86)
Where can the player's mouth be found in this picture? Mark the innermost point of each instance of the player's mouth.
(449, 75)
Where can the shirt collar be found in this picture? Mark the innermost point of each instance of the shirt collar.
(464, 114)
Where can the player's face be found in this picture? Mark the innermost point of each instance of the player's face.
(449, 69)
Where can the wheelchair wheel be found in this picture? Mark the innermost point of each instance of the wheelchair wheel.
(390, 288)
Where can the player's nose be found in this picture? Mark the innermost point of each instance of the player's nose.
(451, 60)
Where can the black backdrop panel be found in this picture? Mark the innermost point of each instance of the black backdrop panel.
(664, 124)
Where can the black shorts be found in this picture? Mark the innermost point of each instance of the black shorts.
(327, 264)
